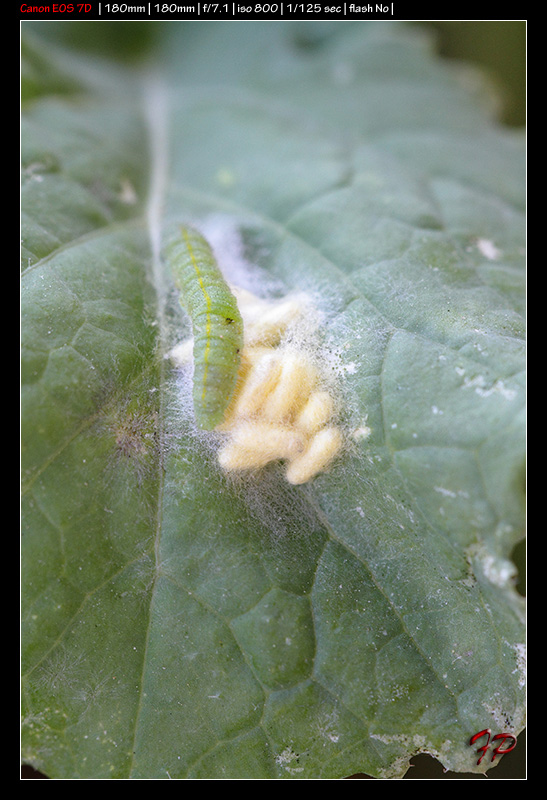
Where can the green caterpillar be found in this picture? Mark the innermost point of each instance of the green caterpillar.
(217, 325)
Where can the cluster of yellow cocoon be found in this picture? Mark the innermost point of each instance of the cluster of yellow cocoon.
(279, 410)
(279, 413)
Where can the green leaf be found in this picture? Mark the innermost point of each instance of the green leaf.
(180, 624)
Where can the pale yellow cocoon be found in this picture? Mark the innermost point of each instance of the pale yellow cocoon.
(324, 446)
(270, 328)
(266, 321)
(295, 383)
(316, 412)
(255, 444)
(261, 380)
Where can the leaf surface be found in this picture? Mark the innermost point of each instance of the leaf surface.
(178, 624)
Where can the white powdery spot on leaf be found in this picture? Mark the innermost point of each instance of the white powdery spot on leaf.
(488, 249)
(480, 385)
